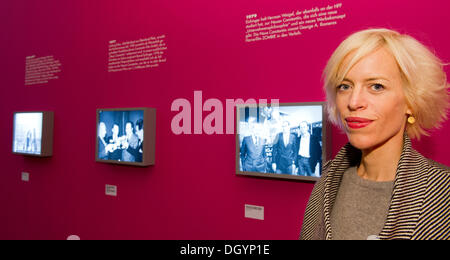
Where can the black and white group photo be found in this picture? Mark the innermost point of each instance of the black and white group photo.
(281, 140)
(120, 135)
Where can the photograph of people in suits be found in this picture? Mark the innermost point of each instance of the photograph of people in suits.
(253, 154)
(285, 140)
(309, 151)
(126, 147)
(285, 151)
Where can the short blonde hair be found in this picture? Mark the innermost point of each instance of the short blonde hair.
(425, 82)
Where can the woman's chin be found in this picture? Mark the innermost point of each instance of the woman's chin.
(362, 141)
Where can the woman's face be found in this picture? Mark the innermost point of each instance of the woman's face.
(370, 101)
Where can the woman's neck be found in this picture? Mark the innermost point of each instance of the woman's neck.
(380, 163)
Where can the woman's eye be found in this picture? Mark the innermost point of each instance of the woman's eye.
(343, 87)
(377, 87)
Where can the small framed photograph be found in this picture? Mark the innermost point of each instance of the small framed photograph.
(33, 133)
(126, 136)
(288, 141)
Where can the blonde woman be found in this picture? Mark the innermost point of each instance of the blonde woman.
(383, 88)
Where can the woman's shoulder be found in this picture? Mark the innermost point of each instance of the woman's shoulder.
(438, 174)
(439, 166)
(430, 166)
(433, 175)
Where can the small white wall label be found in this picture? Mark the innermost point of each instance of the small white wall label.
(111, 190)
(255, 212)
(25, 176)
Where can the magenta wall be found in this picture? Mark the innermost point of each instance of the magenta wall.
(192, 191)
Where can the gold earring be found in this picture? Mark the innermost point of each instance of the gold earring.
(411, 120)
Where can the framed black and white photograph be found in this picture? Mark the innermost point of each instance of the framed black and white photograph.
(126, 136)
(287, 141)
(33, 133)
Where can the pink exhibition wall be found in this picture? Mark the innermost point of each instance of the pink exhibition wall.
(192, 191)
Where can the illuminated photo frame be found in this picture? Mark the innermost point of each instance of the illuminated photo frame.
(287, 141)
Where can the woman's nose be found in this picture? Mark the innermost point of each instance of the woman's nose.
(357, 99)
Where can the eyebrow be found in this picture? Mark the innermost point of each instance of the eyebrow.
(368, 79)
(376, 78)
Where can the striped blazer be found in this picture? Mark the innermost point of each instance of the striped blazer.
(420, 202)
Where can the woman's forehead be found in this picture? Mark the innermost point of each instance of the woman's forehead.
(377, 65)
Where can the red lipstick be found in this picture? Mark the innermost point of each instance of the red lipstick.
(357, 122)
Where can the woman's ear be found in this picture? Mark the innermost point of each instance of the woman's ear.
(409, 111)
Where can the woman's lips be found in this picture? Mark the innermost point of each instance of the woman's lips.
(357, 122)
